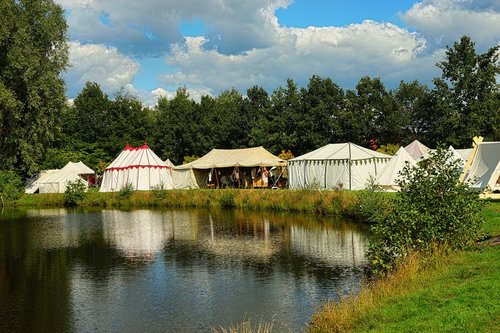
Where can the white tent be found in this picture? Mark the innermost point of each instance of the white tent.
(33, 184)
(455, 156)
(182, 178)
(418, 151)
(485, 168)
(339, 165)
(140, 167)
(389, 175)
(57, 182)
(464, 153)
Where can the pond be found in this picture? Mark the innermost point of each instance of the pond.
(171, 270)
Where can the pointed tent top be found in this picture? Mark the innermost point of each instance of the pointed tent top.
(341, 151)
(418, 150)
(136, 157)
(129, 147)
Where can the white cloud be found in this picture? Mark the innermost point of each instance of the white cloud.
(149, 27)
(443, 22)
(100, 64)
(345, 54)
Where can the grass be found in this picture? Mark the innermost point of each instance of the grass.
(443, 293)
(304, 201)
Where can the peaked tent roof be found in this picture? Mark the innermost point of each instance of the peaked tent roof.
(485, 168)
(226, 158)
(418, 150)
(56, 182)
(136, 157)
(34, 183)
(390, 173)
(341, 151)
(464, 153)
(455, 156)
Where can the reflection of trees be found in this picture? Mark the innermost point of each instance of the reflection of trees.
(34, 283)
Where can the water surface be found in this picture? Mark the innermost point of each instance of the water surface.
(170, 270)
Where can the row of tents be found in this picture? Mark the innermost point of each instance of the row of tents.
(334, 166)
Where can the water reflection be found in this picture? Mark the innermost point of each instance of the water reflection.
(171, 270)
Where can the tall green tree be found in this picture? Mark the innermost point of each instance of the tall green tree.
(33, 53)
(467, 95)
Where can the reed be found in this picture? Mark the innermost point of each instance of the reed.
(247, 327)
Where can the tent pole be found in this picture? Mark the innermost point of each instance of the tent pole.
(350, 168)
(324, 180)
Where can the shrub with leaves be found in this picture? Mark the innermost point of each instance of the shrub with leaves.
(432, 209)
(11, 185)
(74, 193)
(126, 191)
(159, 191)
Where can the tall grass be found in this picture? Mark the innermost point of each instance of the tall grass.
(304, 201)
(246, 327)
(353, 310)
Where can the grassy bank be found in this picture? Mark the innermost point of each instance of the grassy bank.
(445, 293)
(304, 201)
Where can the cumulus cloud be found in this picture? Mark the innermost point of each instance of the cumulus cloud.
(98, 63)
(149, 27)
(344, 53)
(445, 21)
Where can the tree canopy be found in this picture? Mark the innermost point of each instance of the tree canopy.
(33, 53)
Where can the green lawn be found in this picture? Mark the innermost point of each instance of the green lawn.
(460, 294)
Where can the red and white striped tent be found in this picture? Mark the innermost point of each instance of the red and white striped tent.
(138, 166)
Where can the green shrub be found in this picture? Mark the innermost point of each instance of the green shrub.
(11, 185)
(126, 191)
(227, 200)
(74, 193)
(159, 191)
(432, 209)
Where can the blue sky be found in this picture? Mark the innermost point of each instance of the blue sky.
(153, 47)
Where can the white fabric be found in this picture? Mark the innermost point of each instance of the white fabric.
(464, 153)
(389, 175)
(485, 168)
(226, 158)
(34, 183)
(140, 167)
(455, 156)
(418, 151)
(340, 165)
(58, 181)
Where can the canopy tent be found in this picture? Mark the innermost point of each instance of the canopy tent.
(214, 167)
(138, 166)
(418, 151)
(484, 171)
(390, 174)
(464, 153)
(339, 165)
(33, 184)
(57, 182)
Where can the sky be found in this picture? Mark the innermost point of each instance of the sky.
(150, 48)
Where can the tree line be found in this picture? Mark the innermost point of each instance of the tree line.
(38, 130)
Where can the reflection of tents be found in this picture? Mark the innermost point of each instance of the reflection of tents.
(389, 175)
(57, 181)
(339, 165)
(485, 168)
(140, 167)
(418, 151)
(231, 160)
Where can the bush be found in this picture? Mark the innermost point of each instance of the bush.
(432, 209)
(11, 185)
(126, 191)
(159, 191)
(227, 200)
(74, 193)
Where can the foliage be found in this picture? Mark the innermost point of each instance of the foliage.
(227, 200)
(159, 191)
(189, 159)
(33, 53)
(74, 193)
(11, 185)
(286, 155)
(432, 208)
(126, 191)
(467, 95)
(388, 149)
